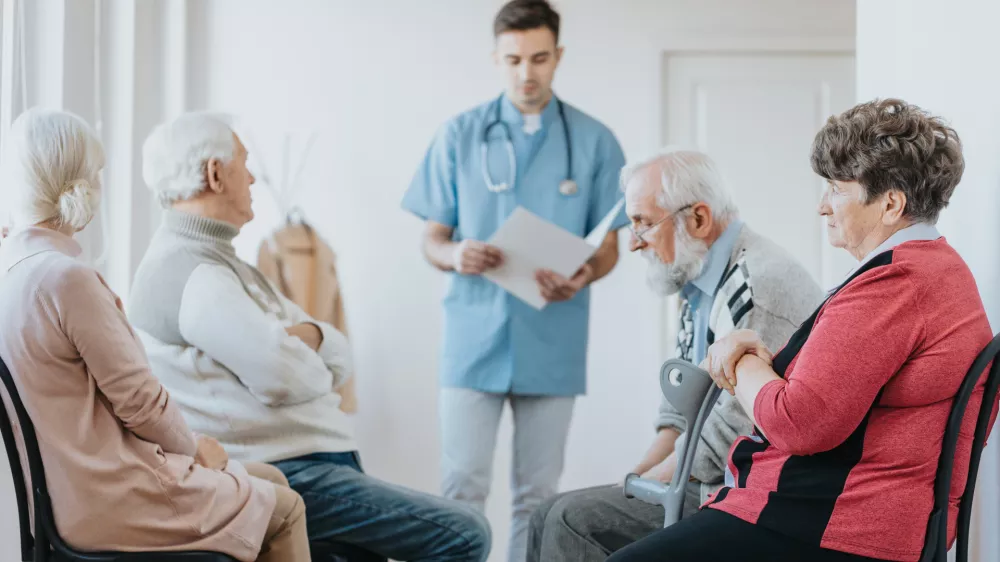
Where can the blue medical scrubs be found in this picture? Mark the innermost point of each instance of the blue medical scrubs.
(493, 341)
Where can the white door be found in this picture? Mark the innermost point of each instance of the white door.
(756, 114)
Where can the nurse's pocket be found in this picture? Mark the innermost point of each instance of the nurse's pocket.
(474, 310)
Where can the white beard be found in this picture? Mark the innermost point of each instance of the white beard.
(689, 259)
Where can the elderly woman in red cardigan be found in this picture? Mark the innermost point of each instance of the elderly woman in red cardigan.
(849, 416)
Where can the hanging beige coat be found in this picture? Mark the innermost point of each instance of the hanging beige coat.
(304, 268)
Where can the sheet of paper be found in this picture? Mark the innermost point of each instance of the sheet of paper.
(530, 243)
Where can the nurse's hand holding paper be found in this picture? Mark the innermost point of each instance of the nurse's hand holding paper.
(472, 257)
(556, 288)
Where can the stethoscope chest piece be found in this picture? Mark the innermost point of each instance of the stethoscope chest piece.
(568, 187)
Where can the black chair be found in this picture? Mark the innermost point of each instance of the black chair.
(936, 544)
(45, 544)
(692, 396)
(340, 552)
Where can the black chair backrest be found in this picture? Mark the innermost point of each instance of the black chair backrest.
(936, 543)
(20, 488)
(45, 535)
(44, 542)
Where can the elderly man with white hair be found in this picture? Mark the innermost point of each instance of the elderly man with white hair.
(687, 227)
(250, 368)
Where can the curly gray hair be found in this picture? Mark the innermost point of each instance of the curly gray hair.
(890, 144)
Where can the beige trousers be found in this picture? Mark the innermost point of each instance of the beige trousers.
(285, 539)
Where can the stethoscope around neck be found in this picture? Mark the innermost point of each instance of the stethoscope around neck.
(566, 187)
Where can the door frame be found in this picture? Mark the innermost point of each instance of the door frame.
(732, 45)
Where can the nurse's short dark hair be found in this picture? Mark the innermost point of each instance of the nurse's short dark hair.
(890, 144)
(522, 15)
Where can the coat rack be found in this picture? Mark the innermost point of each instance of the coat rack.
(283, 193)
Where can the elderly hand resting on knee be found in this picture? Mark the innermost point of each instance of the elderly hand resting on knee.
(723, 355)
(211, 454)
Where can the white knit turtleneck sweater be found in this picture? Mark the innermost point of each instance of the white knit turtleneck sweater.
(214, 329)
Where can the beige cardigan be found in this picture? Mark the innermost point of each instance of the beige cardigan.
(117, 453)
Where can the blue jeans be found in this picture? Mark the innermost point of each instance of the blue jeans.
(346, 506)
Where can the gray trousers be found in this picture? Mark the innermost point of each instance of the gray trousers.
(469, 421)
(589, 525)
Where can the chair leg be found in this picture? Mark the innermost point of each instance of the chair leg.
(42, 551)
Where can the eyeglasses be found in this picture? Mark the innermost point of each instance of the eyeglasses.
(640, 233)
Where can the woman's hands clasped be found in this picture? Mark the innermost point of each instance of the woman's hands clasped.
(724, 354)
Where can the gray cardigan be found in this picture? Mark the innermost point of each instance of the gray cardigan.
(783, 295)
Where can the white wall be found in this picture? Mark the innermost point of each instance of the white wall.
(376, 79)
(943, 56)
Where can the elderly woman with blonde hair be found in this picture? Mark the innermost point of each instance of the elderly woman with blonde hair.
(112, 441)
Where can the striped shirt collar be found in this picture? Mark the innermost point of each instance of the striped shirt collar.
(717, 260)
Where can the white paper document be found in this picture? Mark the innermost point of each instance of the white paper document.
(530, 243)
